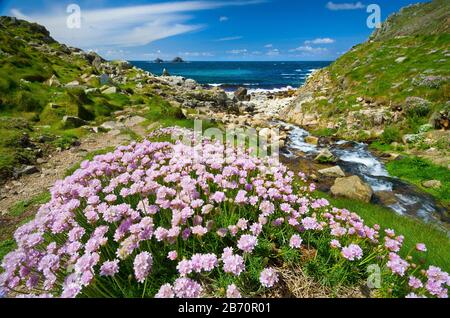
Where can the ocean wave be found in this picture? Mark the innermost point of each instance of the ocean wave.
(270, 90)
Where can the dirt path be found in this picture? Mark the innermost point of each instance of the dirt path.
(56, 166)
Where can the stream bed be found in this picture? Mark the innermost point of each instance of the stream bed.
(356, 159)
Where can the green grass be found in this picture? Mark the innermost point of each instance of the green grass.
(417, 170)
(22, 206)
(415, 231)
(6, 247)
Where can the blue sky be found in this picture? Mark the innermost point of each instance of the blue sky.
(216, 30)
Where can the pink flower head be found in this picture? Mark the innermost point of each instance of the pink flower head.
(267, 208)
(295, 241)
(187, 288)
(396, 264)
(268, 277)
(109, 268)
(421, 247)
(414, 282)
(218, 197)
(142, 266)
(233, 292)
(172, 255)
(352, 252)
(247, 243)
(335, 244)
(166, 291)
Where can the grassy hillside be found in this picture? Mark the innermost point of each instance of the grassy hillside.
(429, 18)
(395, 84)
(35, 97)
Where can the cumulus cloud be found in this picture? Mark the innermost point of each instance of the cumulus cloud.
(223, 19)
(126, 26)
(321, 41)
(309, 49)
(274, 52)
(268, 46)
(196, 54)
(238, 51)
(229, 38)
(345, 6)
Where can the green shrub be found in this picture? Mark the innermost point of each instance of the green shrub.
(390, 134)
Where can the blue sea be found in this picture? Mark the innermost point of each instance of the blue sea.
(230, 75)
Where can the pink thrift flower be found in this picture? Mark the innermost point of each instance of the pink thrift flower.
(268, 277)
(199, 230)
(184, 267)
(142, 266)
(414, 282)
(165, 291)
(233, 292)
(256, 228)
(421, 247)
(295, 241)
(172, 255)
(310, 223)
(352, 252)
(109, 268)
(267, 208)
(396, 264)
(218, 197)
(335, 244)
(247, 243)
(187, 288)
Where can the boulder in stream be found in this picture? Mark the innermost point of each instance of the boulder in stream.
(333, 172)
(352, 188)
(325, 156)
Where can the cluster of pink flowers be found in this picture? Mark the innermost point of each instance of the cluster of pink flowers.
(142, 266)
(154, 203)
(352, 252)
(268, 277)
(197, 264)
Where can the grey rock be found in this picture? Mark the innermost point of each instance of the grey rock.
(432, 184)
(352, 188)
(72, 84)
(53, 81)
(241, 94)
(25, 170)
(110, 90)
(105, 79)
(333, 172)
(325, 156)
(111, 125)
(73, 122)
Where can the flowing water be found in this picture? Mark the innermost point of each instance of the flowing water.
(355, 159)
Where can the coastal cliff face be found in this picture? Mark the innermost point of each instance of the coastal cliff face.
(393, 87)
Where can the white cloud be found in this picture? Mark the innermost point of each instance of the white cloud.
(196, 54)
(223, 19)
(274, 52)
(230, 38)
(126, 26)
(309, 49)
(345, 6)
(238, 51)
(268, 46)
(321, 41)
